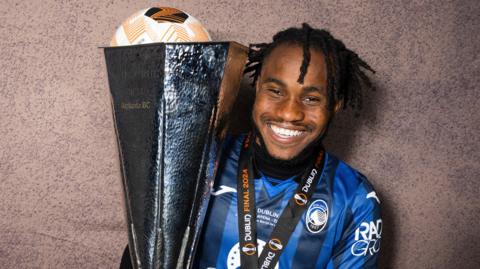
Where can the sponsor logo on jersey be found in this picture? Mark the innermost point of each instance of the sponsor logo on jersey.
(300, 199)
(374, 196)
(223, 189)
(367, 238)
(317, 216)
(275, 244)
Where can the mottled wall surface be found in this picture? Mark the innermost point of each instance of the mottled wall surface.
(417, 140)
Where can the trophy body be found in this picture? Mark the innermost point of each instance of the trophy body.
(170, 103)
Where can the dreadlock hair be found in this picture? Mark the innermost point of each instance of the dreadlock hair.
(345, 69)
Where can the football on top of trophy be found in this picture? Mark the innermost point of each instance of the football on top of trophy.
(159, 24)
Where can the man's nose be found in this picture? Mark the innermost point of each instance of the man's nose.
(291, 110)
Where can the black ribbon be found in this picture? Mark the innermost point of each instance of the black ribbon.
(288, 219)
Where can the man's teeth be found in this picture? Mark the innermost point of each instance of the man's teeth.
(285, 132)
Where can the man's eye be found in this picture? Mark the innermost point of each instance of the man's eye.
(312, 100)
(274, 91)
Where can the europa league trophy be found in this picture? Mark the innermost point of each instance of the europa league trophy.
(171, 103)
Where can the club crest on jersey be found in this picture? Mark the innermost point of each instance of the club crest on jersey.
(317, 216)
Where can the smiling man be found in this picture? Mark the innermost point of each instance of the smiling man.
(280, 200)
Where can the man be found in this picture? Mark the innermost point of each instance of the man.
(278, 192)
(280, 200)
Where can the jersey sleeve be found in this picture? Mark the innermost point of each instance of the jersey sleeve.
(359, 245)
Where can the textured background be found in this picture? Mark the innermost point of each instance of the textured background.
(417, 140)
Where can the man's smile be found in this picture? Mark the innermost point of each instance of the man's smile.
(285, 132)
(281, 134)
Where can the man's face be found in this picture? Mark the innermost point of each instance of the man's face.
(290, 115)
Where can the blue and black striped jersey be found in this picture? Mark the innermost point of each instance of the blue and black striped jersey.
(341, 227)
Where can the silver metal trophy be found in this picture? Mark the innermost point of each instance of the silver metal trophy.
(171, 103)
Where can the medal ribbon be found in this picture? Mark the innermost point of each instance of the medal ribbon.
(288, 220)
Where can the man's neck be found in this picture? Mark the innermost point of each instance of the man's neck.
(282, 169)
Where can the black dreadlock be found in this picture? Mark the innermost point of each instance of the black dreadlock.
(345, 74)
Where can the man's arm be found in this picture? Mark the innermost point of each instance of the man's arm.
(360, 243)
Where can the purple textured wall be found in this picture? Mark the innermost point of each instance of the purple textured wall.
(417, 140)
